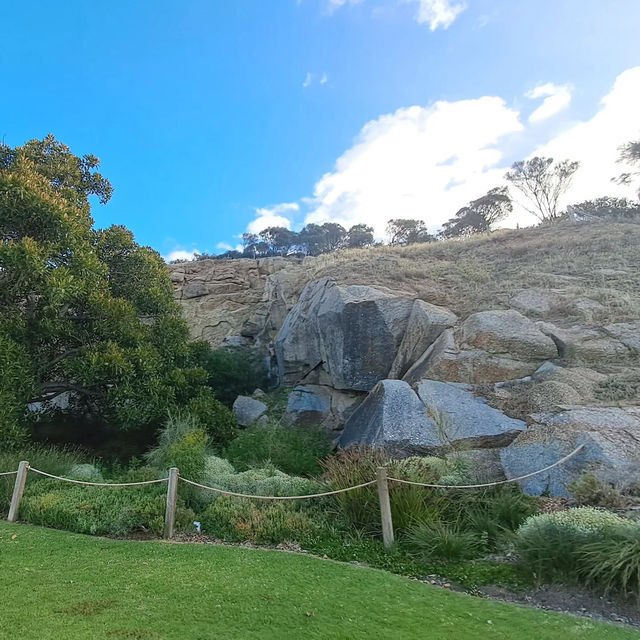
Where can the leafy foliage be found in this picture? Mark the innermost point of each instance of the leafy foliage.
(405, 231)
(479, 215)
(84, 314)
(297, 451)
(607, 207)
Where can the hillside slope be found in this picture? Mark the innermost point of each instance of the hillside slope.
(515, 347)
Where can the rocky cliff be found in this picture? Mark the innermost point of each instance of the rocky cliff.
(512, 348)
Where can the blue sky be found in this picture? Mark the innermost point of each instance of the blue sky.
(207, 115)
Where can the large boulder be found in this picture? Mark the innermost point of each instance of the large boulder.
(582, 344)
(426, 323)
(248, 410)
(343, 336)
(440, 417)
(506, 332)
(392, 416)
(612, 448)
(477, 353)
(320, 406)
(465, 420)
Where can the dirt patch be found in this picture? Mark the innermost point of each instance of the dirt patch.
(570, 600)
(87, 608)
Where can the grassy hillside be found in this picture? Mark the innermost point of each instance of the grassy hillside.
(483, 272)
(60, 585)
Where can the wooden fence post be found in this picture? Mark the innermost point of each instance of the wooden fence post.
(172, 497)
(18, 490)
(385, 507)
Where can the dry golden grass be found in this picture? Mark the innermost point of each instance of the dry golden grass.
(484, 272)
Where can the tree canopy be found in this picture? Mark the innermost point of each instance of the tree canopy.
(479, 215)
(408, 231)
(85, 313)
(542, 182)
(605, 207)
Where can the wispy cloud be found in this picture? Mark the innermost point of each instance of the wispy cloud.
(311, 78)
(274, 216)
(438, 13)
(556, 98)
(181, 254)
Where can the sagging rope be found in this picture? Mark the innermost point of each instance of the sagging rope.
(490, 484)
(255, 497)
(98, 484)
(313, 495)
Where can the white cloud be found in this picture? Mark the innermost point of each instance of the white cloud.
(556, 99)
(435, 13)
(438, 13)
(324, 78)
(272, 217)
(595, 142)
(419, 162)
(181, 254)
(307, 80)
(427, 162)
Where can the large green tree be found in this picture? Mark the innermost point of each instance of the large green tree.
(85, 314)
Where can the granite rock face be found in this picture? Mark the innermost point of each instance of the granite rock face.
(248, 410)
(466, 419)
(222, 298)
(346, 337)
(320, 406)
(392, 416)
(426, 323)
(489, 346)
(439, 417)
(612, 448)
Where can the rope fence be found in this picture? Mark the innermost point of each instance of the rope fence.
(382, 482)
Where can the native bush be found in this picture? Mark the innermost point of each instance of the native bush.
(442, 541)
(588, 490)
(239, 519)
(55, 460)
(552, 544)
(116, 511)
(613, 564)
(294, 450)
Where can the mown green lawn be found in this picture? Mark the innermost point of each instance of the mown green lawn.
(60, 585)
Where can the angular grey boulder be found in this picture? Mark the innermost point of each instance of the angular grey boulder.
(464, 419)
(581, 344)
(612, 448)
(506, 332)
(440, 417)
(446, 360)
(320, 406)
(392, 416)
(426, 323)
(248, 410)
(343, 336)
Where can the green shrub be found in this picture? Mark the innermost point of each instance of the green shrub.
(613, 564)
(551, 544)
(182, 443)
(97, 510)
(86, 472)
(232, 371)
(440, 541)
(212, 416)
(55, 460)
(588, 490)
(297, 451)
(239, 519)
(409, 503)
